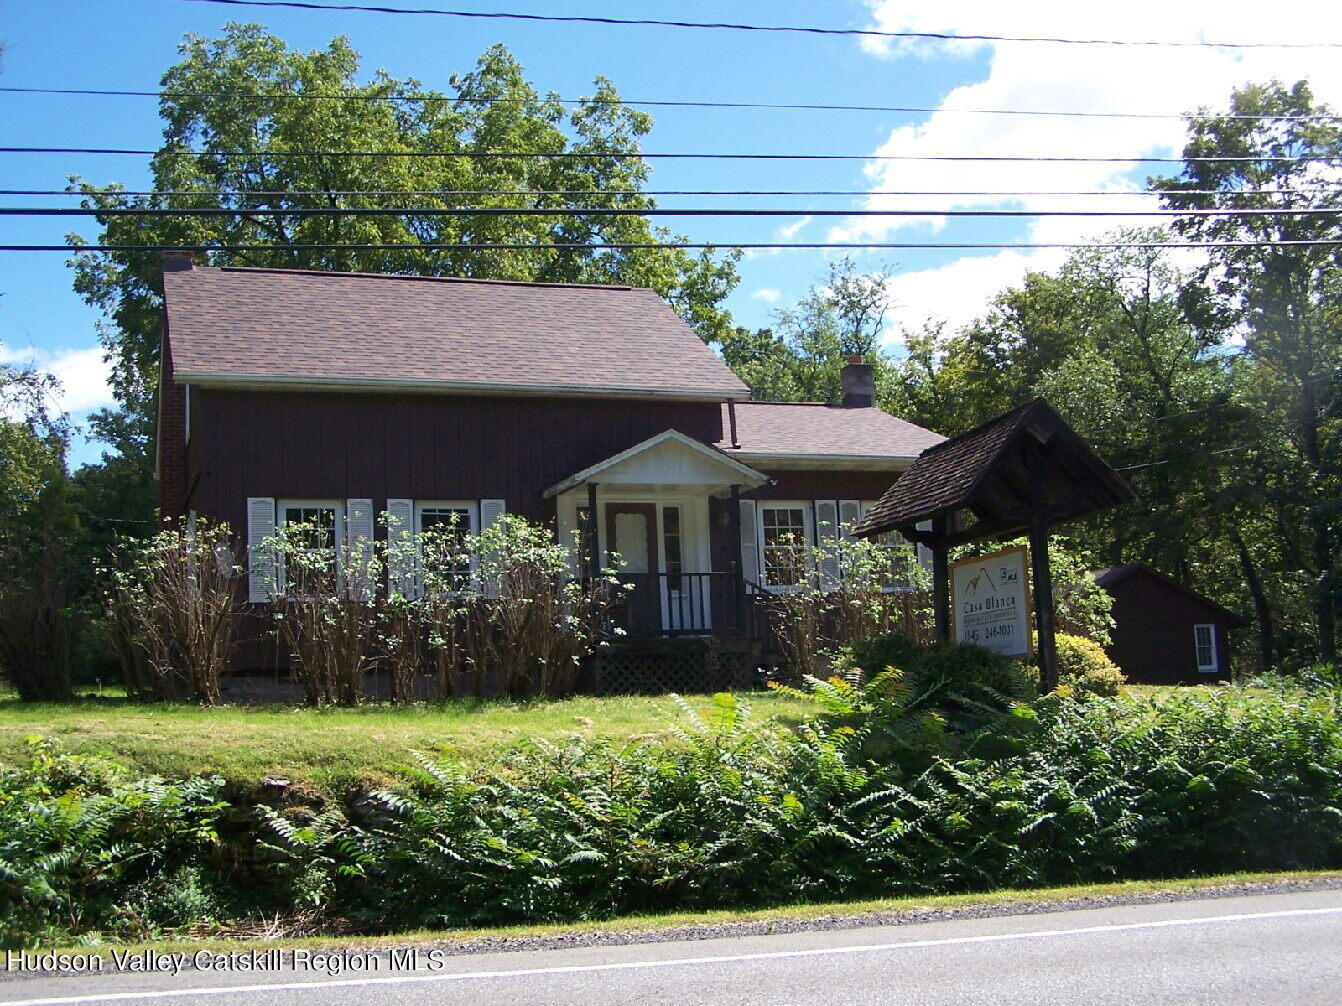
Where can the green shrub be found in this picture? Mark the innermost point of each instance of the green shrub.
(82, 844)
(1086, 668)
(968, 686)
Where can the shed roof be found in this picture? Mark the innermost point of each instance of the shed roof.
(296, 327)
(808, 434)
(976, 471)
(1107, 578)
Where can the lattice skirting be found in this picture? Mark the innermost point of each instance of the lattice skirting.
(688, 666)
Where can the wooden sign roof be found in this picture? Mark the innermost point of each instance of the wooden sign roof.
(1000, 471)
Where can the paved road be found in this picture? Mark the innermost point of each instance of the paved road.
(1279, 949)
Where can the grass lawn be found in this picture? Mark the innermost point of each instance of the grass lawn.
(332, 749)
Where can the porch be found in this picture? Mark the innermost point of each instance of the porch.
(647, 513)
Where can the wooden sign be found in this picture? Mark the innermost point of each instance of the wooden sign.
(990, 601)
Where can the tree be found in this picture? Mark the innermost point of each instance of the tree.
(1278, 148)
(247, 91)
(800, 359)
(38, 541)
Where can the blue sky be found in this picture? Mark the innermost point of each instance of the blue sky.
(128, 43)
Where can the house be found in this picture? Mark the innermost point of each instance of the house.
(291, 396)
(1164, 632)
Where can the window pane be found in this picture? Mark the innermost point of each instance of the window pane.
(448, 529)
(784, 532)
(671, 545)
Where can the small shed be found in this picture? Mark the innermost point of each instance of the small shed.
(1164, 632)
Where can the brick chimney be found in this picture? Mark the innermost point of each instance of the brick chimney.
(178, 261)
(858, 384)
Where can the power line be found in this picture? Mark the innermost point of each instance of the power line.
(647, 245)
(643, 103)
(795, 29)
(698, 155)
(861, 193)
(1157, 464)
(627, 211)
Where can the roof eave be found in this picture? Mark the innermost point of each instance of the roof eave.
(870, 462)
(300, 383)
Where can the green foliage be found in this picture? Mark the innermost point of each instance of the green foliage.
(82, 845)
(968, 687)
(1084, 667)
(736, 814)
(40, 542)
(799, 359)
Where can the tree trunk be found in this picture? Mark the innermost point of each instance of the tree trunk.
(1262, 611)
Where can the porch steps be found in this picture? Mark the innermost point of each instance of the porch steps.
(693, 665)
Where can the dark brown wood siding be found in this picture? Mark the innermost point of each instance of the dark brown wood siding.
(320, 445)
(1153, 641)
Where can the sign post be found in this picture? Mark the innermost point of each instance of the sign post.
(991, 601)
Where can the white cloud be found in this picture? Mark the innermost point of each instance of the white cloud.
(768, 294)
(1169, 81)
(83, 375)
(789, 231)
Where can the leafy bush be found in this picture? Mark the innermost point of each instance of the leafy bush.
(82, 844)
(969, 686)
(175, 610)
(1086, 668)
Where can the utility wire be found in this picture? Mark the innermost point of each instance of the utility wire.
(243, 194)
(795, 29)
(644, 245)
(1156, 464)
(627, 211)
(864, 193)
(467, 99)
(663, 155)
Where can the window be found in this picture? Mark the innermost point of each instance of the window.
(315, 528)
(784, 537)
(1204, 640)
(671, 546)
(448, 525)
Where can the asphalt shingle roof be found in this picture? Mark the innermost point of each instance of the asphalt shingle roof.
(946, 474)
(277, 324)
(808, 429)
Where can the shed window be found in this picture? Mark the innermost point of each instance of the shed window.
(784, 535)
(1204, 639)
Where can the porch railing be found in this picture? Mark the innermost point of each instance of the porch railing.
(688, 604)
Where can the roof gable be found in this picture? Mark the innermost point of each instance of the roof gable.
(315, 329)
(1114, 575)
(668, 459)
(968, 471)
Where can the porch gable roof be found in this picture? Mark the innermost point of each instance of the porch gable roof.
(669, 458)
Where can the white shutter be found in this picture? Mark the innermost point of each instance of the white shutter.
(401, 572)
(491, 512)
(750, 543)
(261, 583)
(359, 548)
(826, 537)
(850, 515)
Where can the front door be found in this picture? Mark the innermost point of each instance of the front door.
(631, 532)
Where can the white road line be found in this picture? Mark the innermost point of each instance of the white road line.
(670, 962)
